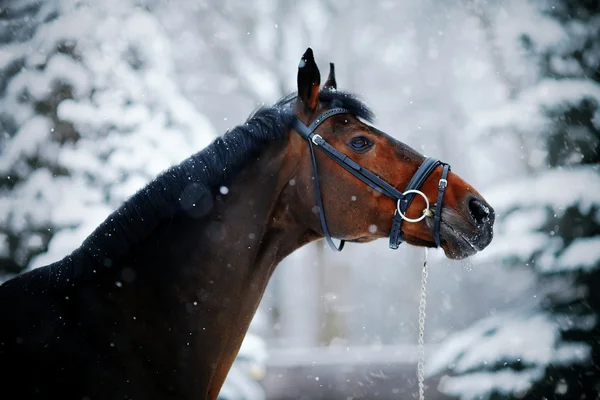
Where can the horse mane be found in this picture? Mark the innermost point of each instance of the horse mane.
(190, 187)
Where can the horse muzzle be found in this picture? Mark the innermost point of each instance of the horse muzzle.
(464, 234)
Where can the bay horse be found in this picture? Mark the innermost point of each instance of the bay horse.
(156, 301)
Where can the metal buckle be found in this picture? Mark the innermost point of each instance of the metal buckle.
(443, 183)
(314, 138)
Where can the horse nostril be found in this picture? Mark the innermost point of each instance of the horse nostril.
(481, 212)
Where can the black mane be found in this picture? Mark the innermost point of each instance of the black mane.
(189, 186)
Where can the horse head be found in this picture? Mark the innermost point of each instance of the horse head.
(363, 176)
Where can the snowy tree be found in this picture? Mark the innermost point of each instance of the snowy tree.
(90, 113)
(548, 209)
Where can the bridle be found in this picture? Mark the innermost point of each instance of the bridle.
(403, 200)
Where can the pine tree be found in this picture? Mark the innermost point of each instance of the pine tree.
(549, 218)
(19, 23)
(89, 113)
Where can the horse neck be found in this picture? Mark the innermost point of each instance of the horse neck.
(209, 275)
(252, 228)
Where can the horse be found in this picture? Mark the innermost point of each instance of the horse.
(155, 303)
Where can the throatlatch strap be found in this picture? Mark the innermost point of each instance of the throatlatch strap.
(308, 132)
(320, 200)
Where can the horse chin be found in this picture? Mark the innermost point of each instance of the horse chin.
(456, 245)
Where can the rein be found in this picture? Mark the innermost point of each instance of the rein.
(403, 200)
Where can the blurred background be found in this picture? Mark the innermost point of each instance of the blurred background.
(96, 98)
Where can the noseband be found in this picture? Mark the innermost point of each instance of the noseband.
(403, 200)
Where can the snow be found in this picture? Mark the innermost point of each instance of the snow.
(528, 112)
(567, 353)
(253, 348)
(85, 114)
(3, 244)
(558, 188)
(495, 340)
(134, 122)
(263, 82)
(62, 68)
(131, 122)
(27, 142)
(523, 206)
(6, 57)
(479, 353)
(478, 386)
(585, 322)
(516, 19)
(63, 240)
(131, 119)
(505, 119)
(239, 385)
(524, 220)
(525, 19)
(31, 199)
(76, 157)
(39, 84)
(519, 247)
(583, 254)
(553, 94)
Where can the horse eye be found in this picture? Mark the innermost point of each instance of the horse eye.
(360, 143)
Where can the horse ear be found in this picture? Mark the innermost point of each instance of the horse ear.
(309, 80)
(331, 83)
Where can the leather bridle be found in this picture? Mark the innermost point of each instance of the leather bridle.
(403, 200)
